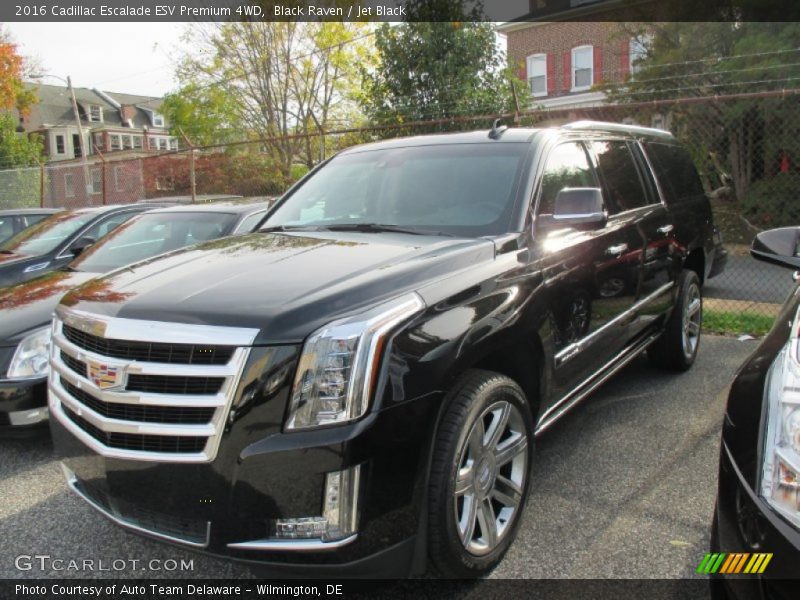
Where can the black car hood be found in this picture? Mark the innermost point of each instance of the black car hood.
(30, 305)
(285, 285)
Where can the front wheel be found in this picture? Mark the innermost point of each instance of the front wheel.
(480, 474)
(676, 349)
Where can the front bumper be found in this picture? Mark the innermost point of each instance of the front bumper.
(740, 510)
(23, 405)
(219, 506)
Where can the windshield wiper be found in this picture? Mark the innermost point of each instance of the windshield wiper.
(380, 228)
(280, 228)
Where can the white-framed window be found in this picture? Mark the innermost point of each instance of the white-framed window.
(98, 141)
(95, 113)
(61, 144)
(582, 68)
(163, 143)
(137, 142)
(115, 141)
(658, 122)
(158, 120)
(127, 142)
(69, 185)
(119, 178)
(173, 143)
(537, 74)
(97, 181)
(637, 51)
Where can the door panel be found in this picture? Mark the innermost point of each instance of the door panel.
(591, 276)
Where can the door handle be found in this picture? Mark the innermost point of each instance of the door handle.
(616, 250)
(665, 229)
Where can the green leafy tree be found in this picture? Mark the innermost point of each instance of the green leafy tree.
(743, 138)
(438, 70)
(16, 149)
(269, 80)
(205, 114)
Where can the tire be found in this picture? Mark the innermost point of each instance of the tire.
(676, 349)
(479, 402)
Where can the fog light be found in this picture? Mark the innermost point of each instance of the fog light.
(339, 511)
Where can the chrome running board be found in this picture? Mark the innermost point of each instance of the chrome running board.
(590, 384)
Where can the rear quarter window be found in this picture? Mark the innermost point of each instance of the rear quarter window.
(675, 172)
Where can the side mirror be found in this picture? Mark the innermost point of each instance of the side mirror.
(580, 208)
(80, 245)
(778, 246)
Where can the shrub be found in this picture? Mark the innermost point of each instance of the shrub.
(774, 202)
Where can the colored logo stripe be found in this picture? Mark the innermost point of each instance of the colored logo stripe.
(734, 562)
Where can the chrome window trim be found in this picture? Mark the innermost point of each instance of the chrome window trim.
(60, 399)
(72, 483)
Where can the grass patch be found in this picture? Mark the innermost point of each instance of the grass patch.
(718, 321)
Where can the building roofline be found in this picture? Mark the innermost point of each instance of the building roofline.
(543, 17)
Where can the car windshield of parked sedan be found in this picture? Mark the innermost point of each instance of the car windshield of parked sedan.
(46, 235)
(456, 189)
(150, 234)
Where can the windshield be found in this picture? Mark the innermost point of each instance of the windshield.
(46, 235)
(150, 234)
(458, 189)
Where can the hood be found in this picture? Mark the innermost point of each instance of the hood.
(30, 305)
(284, 284)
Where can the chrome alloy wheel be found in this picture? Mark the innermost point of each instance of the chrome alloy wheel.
(490, 477)
(692, 319)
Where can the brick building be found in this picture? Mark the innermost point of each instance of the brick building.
(112, 123)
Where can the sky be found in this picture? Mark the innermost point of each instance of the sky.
(132, 58)
(135, 58)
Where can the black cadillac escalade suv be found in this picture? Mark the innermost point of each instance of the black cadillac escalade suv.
(357, 387)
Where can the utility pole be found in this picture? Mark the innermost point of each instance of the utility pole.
(84, 159)
(192, 178)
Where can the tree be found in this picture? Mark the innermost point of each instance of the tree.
(204, 113)
(437, 70)
(13, 93)
(270, 80)
(711, 59)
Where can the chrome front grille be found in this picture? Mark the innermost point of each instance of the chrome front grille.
(145, 390)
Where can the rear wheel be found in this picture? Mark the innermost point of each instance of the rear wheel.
(676, 349)
(480, 474)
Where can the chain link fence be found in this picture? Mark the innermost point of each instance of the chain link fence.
(746, 148)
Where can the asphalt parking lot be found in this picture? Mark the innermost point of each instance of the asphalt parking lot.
(624, 488)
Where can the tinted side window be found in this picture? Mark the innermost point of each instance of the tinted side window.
(619, 176)
(675, 172)
(31, 219)
(104, 227)
(567, 167)
(250, 221)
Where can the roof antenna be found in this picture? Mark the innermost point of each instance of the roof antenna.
(497, 130)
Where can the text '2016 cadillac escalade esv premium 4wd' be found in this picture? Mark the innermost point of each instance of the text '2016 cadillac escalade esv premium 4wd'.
(356, 388)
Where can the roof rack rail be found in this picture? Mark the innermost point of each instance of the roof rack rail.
(606, 126)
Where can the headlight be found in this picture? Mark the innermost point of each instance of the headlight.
(780, 471)
(338, 368)
(31, 357)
